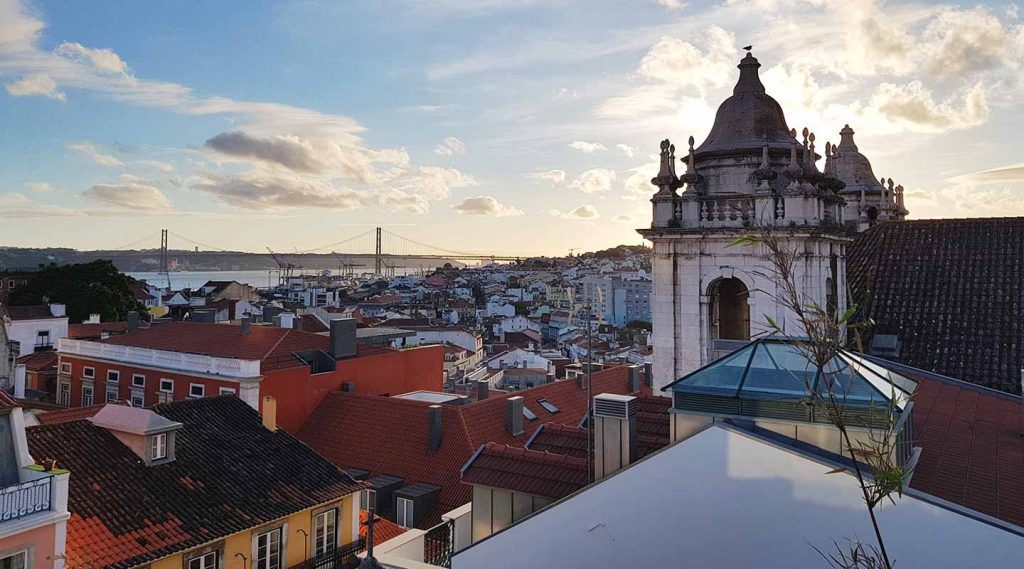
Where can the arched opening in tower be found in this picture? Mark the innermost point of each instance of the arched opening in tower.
(730, 311)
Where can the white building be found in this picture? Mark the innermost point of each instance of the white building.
(34, 328)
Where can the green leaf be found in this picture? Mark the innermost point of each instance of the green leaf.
(771, 323)
(847, 315)
(745, 240)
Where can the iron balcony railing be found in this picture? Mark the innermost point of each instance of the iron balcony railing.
(341, 557)
(25, 499)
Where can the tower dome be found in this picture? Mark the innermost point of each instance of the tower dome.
(749, 118)
(853, 168)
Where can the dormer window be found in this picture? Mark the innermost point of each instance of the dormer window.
(404, 516)
(158, 446)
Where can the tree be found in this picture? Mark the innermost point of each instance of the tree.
(639, 325)
(88, 288)
(825, 332)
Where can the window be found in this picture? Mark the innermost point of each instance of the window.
(226, 391)
(43, 338)
(368, 500)
(196, 390)
(204, 561)
(65, 367)
(549, 406)
(158, 446)
(167, 385)
(404, 515)
(530, 415)
(325, 532)
(138, 400)
(65, 395)
(111, 393)
(113, 375)
(268, 550)
(88, 372)
(138, 380)
(86, 395)
(17, 560)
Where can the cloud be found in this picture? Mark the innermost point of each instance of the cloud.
(594, 180)
(260, 192)
(450, 147)
(638, 183)
(995, 175)
(437, 183)
(17, 206)
(959, 41)
(623, 219)
(37, 84)
(129, 196)
(587, 147)
(485, 205)
(581, 213)
(103, 60)
(551, 176)
(681, 63)
(156, 165)
(40, 187)
(671, 4)
(95, 154)
(626, 149)
(913, 107)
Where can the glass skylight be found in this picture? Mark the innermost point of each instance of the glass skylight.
(529, 415)
(548, 405)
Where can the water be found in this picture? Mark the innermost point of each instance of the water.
(196, 279)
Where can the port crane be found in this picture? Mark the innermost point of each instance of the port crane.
(287, 269)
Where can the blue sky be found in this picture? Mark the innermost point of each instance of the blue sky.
(524, 127)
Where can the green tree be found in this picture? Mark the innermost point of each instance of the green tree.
(87, 288)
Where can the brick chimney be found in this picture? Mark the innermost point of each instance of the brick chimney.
(514, 415)
(614, 433)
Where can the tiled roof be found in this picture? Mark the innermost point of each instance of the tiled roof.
(36, 312)
(560, 439)
(311, 323)
(652, 426)
(273, 345)
(951, 289)
(87, 330)
(383, 528)
(388, 435)
(68, 415)
(972, 447)
(6, 401)
(39, 361)
(229, 475)
(527, 471)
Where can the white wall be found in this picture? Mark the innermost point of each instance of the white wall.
(26, 331)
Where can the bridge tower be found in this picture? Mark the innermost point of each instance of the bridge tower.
(377, 255)
(163, 251)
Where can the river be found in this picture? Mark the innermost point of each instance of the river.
(196, 279)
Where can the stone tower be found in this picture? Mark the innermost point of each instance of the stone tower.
(868, 199)
(750, 172)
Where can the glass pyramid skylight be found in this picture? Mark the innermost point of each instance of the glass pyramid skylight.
(774, 369)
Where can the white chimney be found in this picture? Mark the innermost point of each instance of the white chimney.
(58, 310)
(19, 381)
(93, 319)
(614, 433)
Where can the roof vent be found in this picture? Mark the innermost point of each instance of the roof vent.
(885, 345)
(614, 406)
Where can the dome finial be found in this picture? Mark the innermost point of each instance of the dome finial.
(749, 82)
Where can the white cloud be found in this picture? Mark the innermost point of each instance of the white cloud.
(485, 205)
(638, 183)
(587, 147)
(594, 180)
(268, 192)
(156, 165)
(913, 107)
(103, 60)
(581, 213)
(626, 149)
(129, 196)
(450, 147)
(1003, 174)
(97, 155)
(37, 84)
(40, 187)
(552, 177)
(17, 206)
(671, 4)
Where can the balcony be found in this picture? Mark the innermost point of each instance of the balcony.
(342, 557)
(26, 498)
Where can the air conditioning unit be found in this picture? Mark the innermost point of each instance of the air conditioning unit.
(614, 406)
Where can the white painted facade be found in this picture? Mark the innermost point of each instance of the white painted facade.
(41, 333)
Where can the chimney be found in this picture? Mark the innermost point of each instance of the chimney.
(648, 374)
(614, 433)
(284, 320)
(58, 310)
(19, 381)
(93, 319)
(133, 321)
(246, 326)
(343, 337)
(297, 322)
(581, 379)
(348, 386)
(634, 379)
(483, 389)
(434, 427)
(514, 415)
(269, 412)
(551, 377)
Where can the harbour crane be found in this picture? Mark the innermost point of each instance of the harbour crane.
(286, 268)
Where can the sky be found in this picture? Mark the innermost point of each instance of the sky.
(502, 126)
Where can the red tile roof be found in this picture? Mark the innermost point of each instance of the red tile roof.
(383, 529)
(972, 447)
(388, 435)
(69, 414)
(560, 439)
(272, 345)
(311, 323)
(126, 514)
(39, 361)
(527, 471)
(6, 401)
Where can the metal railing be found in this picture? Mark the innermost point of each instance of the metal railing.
(25, 499)
(341, 557)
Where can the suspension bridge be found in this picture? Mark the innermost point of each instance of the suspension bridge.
(376, 249)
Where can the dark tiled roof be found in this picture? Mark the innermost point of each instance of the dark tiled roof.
(527, 471)
(560, 439)
(652, 426)
(274, 346)
(230, 474)
(972, 447)
(311, 323)
(36, 312)
(90, 330)
(39, 361)
(951, 289)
